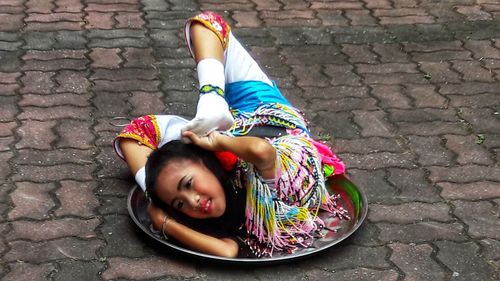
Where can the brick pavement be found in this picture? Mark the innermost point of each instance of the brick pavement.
(409, 90)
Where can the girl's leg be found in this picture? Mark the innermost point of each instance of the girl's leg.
(238, 64)
(247, 87)
(212, 112)
(205, 44)
(222, 61)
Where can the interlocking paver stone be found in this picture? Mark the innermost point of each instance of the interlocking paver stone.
(361, 274)
(373, 124)
(111, 104)
(138, 57)
(5, 143)
(379, 160)
(78, 270)
(410, 212)
(358, 256)
(413, 185)
(74, 134)
(31, 200)
(342, 75)
(464, 174)
(112, 205)
(50, 157)
(5, 169)
(480, 216)
(54, 100)
(51, 250)
(76, 198)
(469, 101)
(146, 103)
(491, 248)
(36, 134)
(121, 237)
(367, 145)
(416, 262)
(105, 58)
(469, 266)
(54, 173)
(53, 229)
(8, 109)
(124, 74)
(423, 115)
(472, 191)
(22, 271)
(421, 232)
(407, 93)
(469, 88)
(49, 114)
(437, 155)
(37, 82)
(72, 82)
(467, 150)
(148, 267)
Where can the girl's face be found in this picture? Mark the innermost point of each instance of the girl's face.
(190, 187)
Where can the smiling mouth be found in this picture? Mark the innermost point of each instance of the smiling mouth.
(205, 205)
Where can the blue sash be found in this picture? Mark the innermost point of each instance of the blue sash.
(247, 96)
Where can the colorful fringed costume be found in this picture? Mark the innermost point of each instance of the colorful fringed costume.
(279, 215)
(284, 214)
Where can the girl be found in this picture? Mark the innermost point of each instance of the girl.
(222, 176)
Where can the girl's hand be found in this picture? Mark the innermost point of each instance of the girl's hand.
(156, 214)
(209, 142)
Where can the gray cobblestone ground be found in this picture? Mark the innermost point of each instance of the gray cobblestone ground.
(408, 89)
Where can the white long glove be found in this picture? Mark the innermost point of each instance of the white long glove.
(212, 111)
(212, 114)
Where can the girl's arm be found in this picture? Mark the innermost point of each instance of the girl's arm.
(252, 149)
(136, 157)
(194, 240)
(135, 154)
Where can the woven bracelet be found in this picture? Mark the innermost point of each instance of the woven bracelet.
(165, 220)
(205, 89)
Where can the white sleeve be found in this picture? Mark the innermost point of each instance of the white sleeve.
(170, 128)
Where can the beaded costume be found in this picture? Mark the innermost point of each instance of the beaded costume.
(279, 216)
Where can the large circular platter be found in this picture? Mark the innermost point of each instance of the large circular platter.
(352, 198)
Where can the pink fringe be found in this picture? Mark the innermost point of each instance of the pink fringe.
(328, 157)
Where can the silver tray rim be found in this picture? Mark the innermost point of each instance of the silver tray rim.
(266, 260)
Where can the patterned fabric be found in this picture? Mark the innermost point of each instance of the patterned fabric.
(214, 22)
(286, 216)
(283, 216)
(273, 114)
(247, 96)
(143, 129)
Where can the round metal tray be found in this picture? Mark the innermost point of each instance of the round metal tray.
(352, 198)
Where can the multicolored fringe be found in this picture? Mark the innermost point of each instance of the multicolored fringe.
(285, 217)
(272, 114)
(276, 114)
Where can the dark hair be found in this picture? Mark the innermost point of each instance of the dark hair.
(178, 150)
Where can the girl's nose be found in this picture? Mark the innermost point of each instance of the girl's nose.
(194, 200)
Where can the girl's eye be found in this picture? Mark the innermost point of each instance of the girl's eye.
(189, 183)
(179, 205)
